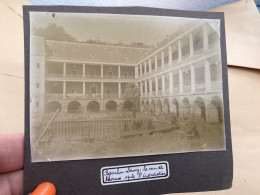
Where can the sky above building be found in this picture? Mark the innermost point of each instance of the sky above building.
(109, 28)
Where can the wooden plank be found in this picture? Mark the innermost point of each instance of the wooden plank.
(47, 126)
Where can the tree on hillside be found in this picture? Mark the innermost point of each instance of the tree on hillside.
(54, 32)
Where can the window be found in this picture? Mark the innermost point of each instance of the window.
(74, 73)
(214, 72)
(175, 81)
(110, 74)
(200, 75)
(153, 85)
(160, 84)
(37, 85)
(166, 82)
(125, 74)
(187, 78)
(93, 89)
(38, 65)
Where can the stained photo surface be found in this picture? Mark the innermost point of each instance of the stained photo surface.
(109, 85)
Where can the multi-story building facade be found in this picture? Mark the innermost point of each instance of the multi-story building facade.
(181, 75)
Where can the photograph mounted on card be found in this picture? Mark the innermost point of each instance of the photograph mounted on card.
(119, 85)
(126, 98)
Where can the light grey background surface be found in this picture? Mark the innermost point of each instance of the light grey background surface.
(195, 5)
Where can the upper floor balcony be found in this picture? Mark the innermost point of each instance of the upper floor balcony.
(77, 77)
(198, 52)
(58, 71)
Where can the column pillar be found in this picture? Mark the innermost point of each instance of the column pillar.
(64, 69)
(145, 88)
(193, 84)
(170, 83)
(102, 90)
(64, 89)
(170, 55)
(136, 72)
(101, 71)
(191, 45)
(150, 65)
(180, 81)
(207, 75)
(156, 86)
(119, 90)
(119, 72)
(163, 85)
(84, 90)
(205, 37)
(162, 58)
(179, 51)
(155, 62)
(141, 70)
(145, 68)
(84, 70)
(151, 86)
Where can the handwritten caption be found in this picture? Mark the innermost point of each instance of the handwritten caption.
(134, 173)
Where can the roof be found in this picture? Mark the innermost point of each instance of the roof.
(58, 50)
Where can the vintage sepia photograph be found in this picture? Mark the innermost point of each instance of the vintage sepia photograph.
(115, 85)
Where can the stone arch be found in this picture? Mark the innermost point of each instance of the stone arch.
(215, 110)
(147, 105)
(166, 105)
(186, 108)
(176, 108)
(93, 106)
(152, 106)
(159, 106)
(53, 106)
(111, 105)
(199, 109)
(128, 104)
(74, 107)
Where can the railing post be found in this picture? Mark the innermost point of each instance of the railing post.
(64, 69)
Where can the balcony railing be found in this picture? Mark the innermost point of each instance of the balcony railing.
(74, 76)
(96, 95)
(200, 87)
(198, 51)
(110, 76)
(186, 56)
(166, 92)
(93, 76)
(213, 44)
(111, 95)
(74, 95)
(176, 90)
(54, 95)
(216, 85)
(187, 89)
(55, 75)
(128, 77)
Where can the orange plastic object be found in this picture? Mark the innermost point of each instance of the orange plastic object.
(45, 188)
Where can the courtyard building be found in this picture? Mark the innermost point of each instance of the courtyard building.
(181, 75)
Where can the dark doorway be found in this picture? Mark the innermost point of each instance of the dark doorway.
(74, 107)
(111, 105)
(93, 106)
